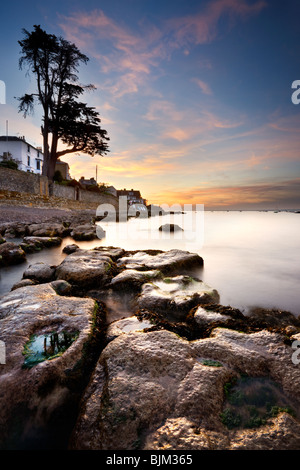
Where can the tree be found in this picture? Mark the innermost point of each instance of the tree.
(54, 63)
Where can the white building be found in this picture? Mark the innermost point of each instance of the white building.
(29, 158)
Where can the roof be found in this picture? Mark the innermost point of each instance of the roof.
(9, 138)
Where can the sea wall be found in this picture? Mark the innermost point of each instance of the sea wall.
(20, 181)
(28, 189)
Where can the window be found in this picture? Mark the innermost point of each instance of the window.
(28, 160)
(38, 164)
(28, 148)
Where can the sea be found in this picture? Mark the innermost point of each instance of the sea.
(252, 258)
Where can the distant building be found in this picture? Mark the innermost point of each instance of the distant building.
(28, 157)
(90, 182)
(111, 190)
(64, 169)
(133, 196)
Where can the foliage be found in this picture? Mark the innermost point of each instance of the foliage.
(58, 177)
(7, 161)
(9, 164)
(54, 62)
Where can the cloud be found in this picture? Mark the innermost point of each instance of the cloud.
(133, 55)
(205, 88)
(284, 193)
(202, 28)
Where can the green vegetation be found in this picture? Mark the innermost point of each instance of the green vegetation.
(252, 401)
(211, 363)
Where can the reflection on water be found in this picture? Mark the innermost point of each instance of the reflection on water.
(251, 258)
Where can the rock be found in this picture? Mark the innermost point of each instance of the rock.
(176, 296)
(126, 325)
(204, 317)
(166, 262)
(11, 253)
(48, 230)
(272, 318)
(15, 230)
(61, 287)
(156, 391)
(84, 232)
(112, 252)
(86, 269)
(33, 244)
(68, 249)
(2, 240)
(133, 279)
(170, 228)
(23, 283)
(37, 402)
(39, 272)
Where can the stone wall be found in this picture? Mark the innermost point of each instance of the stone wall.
(67, 192)
(20, 181)
(28, 189)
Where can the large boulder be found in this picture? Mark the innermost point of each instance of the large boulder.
(39, 272)
(84, 232)
(132, 279)
(153, 390)
(11, 253)
(176, 296)
(38, 398)
(47, 230)
(86, 268)
(169, 261)
(32, 244)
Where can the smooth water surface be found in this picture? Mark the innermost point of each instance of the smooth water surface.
(251, 258)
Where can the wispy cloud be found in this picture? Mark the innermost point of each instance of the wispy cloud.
(202, 28)
(133, 55)
(205, 88)
(283, 193)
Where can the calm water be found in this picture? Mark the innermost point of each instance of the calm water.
(251, 258)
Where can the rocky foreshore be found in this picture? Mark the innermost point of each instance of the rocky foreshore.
(31, 229)
(179, 371)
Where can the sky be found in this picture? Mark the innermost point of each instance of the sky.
(196, 96)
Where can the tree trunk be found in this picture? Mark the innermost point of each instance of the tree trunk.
(52, 157)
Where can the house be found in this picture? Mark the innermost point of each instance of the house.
(64, 169)
(90, 182)
(133, 196)
(28, 157)
(111, 190)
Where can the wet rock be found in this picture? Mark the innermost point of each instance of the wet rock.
(48, 230)
(15, 230)
(11, 253)
(176, 296)
(112, 252)
(204, 318)
(271, 318)
(84, 232)
(39, 272)
(33, 244)
(86, 268)
(37, 402)
(23, 283)
(166, 262)
(68, 249)
(169, 228)
(61, 287)
(153, 390)
(126, 325)
(133, 279)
